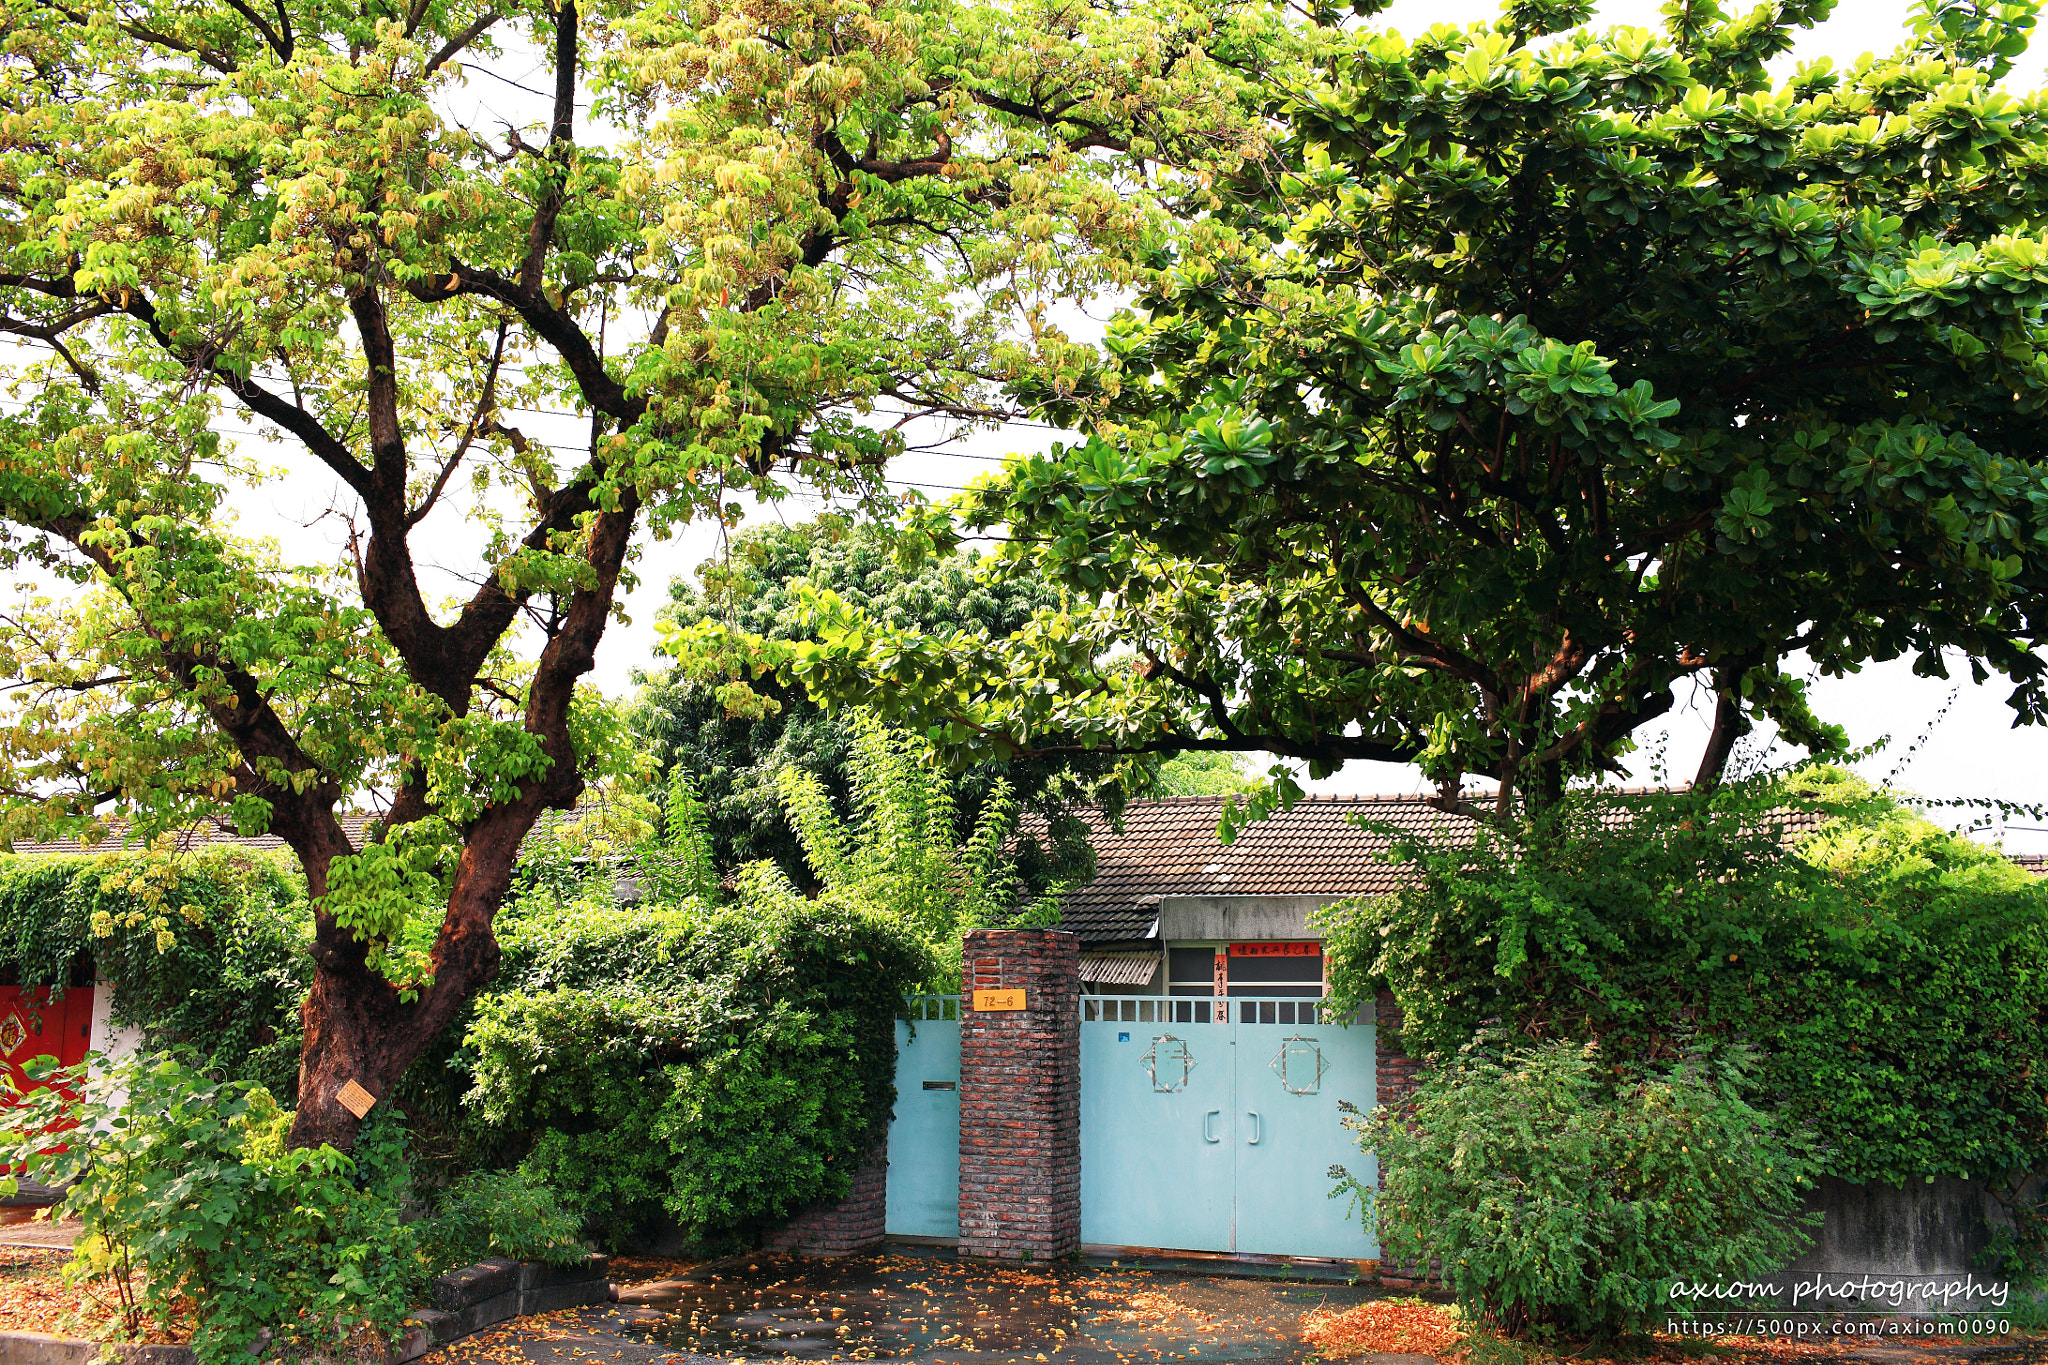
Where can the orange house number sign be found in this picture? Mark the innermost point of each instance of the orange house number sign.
(999, 1000)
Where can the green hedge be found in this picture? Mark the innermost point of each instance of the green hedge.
(725, 1066)
(1893, 977)
(205, 949)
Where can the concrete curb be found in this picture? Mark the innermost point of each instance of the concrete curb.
(492, 1291)
(41, 1348)
(466, 1301)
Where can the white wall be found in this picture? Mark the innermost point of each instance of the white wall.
(115, 1042)
(106, 1037)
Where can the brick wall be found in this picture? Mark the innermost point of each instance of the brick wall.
(1020, 1096)
(853, 1224)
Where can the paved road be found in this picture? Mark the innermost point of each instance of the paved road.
(938, 1310)
(932, 1308)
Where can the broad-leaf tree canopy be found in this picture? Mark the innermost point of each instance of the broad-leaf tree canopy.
(729, 230)
(1539, 370)
(733, 744)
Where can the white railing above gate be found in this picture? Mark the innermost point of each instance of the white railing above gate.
(1159, 1009)
(1149, 1009)
(1146, 1009)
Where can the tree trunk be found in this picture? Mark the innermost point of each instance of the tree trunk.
(354, 1032)
(356, 1026)
(1730, 725)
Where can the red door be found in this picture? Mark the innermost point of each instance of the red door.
(32, 1026)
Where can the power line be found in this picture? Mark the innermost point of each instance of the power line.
(929, 414)
(541, 94)
(555, 446)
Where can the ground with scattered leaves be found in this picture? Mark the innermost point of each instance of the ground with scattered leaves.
(1414, 1327)
(930, 1307)
(34, 1297)
(934, 1306)
(1389, 1326)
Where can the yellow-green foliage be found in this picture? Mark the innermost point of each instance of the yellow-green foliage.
(903, 855)
(1876, 837)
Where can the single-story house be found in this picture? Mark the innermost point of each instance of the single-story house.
(1173, 910)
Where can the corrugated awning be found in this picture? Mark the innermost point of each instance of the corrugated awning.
(1119, 969)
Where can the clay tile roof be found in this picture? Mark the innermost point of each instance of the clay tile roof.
(1169, 848)
(197, 837)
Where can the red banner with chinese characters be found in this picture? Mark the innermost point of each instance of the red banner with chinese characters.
(1276, 949)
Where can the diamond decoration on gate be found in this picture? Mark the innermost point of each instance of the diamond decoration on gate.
(1168, 1062)
(1301, 1066)
(13, 1033)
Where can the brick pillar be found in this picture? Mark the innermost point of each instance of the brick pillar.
(1395, 1072)
(1020, 1096)
(852, 1224)
(1396, 1075)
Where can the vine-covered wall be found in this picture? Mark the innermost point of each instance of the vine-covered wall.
(1893, 976)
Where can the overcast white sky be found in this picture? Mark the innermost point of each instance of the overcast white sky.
(1971, 752)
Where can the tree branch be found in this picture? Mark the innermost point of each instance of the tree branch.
(561, 143)
(293, 418)
(280, 43)
(455, 46)
(477, 424)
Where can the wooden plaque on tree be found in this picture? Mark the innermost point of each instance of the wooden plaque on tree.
(355, 1099)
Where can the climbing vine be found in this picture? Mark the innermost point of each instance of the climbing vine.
(723, 1066)
(202, 948)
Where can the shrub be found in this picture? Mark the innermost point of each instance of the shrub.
(188, 1186)
(722, 1065)
(1892, 977)
(500, 1213)
(577, 1074)
(1564, 1201)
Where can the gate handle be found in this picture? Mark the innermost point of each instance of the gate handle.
(1258, 1128)
(1205, 1125)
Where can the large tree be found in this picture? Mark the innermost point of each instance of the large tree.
(1539, 373)
(726, 231)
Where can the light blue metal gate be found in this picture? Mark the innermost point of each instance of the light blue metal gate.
(1155, 1115)
(1208, 1134)
(924, 1132)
